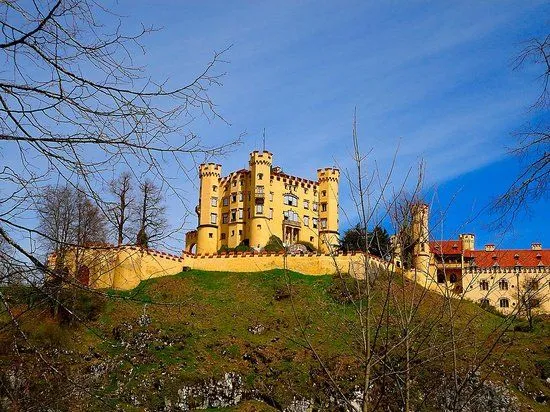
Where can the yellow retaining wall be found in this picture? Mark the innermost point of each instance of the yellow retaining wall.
(125, 267)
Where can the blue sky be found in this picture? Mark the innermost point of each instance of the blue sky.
(435, 78)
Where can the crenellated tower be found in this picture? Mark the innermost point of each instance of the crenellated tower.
(328, 179)
(421, 238)
(207, 210)
(260, 173)
(468, 241)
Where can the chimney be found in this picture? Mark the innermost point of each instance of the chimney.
(489, 247)
(536, 246)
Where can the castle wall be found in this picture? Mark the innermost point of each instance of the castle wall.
(125, 267)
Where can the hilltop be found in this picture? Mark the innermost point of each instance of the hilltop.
(240, 340)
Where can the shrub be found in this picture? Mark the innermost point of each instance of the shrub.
(274, 244)
(309, 246)
(80, 305)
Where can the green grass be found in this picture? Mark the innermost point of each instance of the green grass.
(201, 326)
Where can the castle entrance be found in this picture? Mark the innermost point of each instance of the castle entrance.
(291, 234)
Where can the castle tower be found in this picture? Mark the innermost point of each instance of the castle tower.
(468, 241)
(207, 231)
(328, 209)
(421, 238)
(260, 174)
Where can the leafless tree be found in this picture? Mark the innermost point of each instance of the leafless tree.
(150, 212)
(396, 326)
(531, 297)
(533, 148)
(75, 107)
(120, 210)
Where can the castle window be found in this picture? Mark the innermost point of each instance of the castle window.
(315, 206)
(291, 215)
(306, 204)
(453, 278)
(290, 200)
(484, 285)
(260, 209)
(324, 193)
(225, 217)
(305, 190)
(323, 223)
(314, 222)
(240, 213)
(241, 196)
(233, 197)
(504, 303)
(213, 217)
(271, 196)
(223, 236)
(260, 176)
(306, 220)
(214, 188)
(532, 285)
(241, 182)
(234, 183)
(323, 207)
(315, 193)
(211, 235)
(484, 302)
(234, 215)
(240, 232)
(225, 201)
(214, 201)
(271, 213)
(258, 227)
(259, 189)
(440, 277)
(311, 239)
(232, 233)
(503, 284)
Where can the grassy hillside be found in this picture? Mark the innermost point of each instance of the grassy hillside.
(174, 341)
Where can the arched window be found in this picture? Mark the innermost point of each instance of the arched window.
(504, 302)
(484, 302)
(503, 284)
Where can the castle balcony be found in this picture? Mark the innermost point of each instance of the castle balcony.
(292, 223)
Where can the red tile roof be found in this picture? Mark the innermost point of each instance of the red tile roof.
(510, 257)
(446, 247)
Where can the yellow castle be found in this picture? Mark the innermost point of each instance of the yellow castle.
(249, 206)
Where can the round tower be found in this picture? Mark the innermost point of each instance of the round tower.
(421, 237)
(207, 231)
(329, 237)
(260, 172)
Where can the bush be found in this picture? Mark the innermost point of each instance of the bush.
(309, 246)
(80, 306)
(274, 244)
